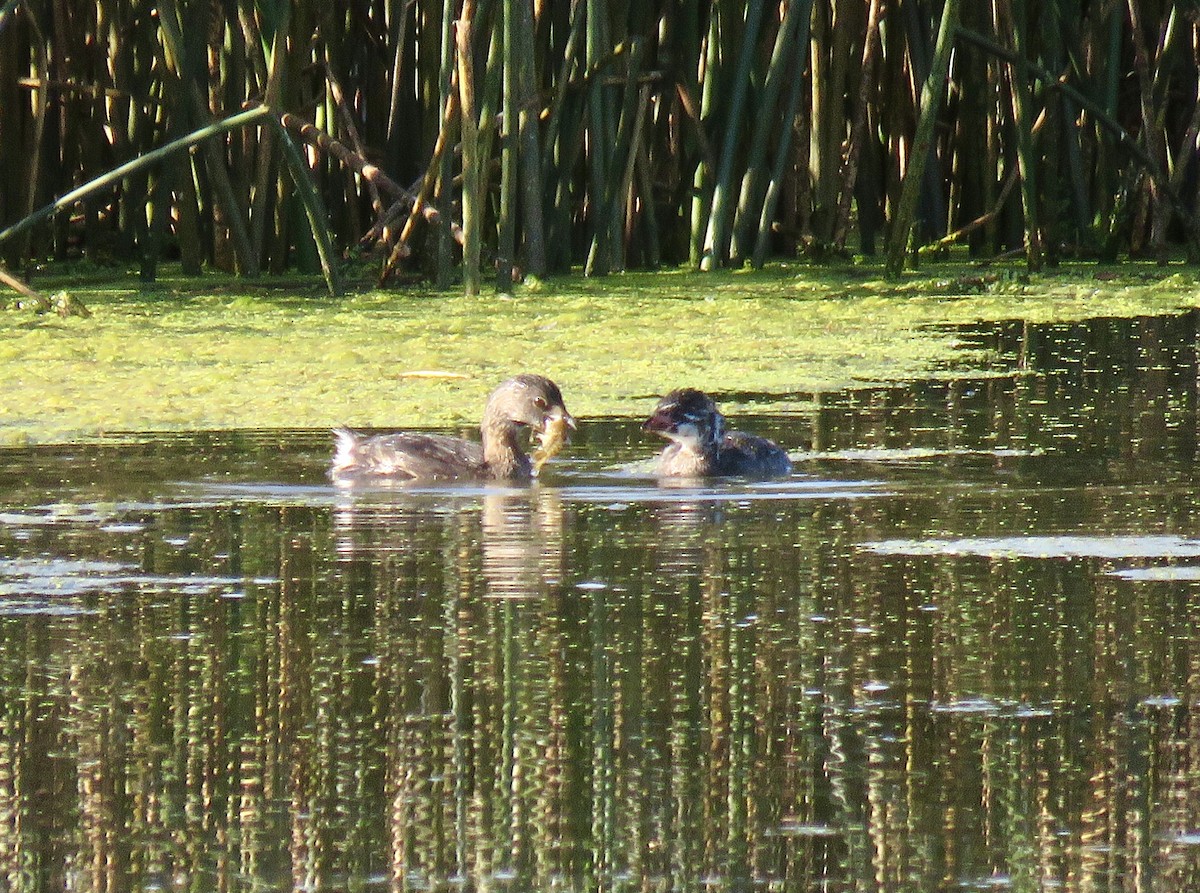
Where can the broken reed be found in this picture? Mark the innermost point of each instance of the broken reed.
(462, 139)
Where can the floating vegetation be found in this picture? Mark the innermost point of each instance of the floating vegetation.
(1081, 546)
(1187, 574)
(66, 578)
(228, 358)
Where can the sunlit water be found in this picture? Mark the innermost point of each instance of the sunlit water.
(956, 650)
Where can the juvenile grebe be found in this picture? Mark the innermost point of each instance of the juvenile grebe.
(701, 447)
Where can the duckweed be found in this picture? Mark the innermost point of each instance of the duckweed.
(252, 355)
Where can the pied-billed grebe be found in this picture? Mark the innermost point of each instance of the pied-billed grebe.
(525, 401)
(701, 447)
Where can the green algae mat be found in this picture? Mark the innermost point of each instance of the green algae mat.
(217, 353)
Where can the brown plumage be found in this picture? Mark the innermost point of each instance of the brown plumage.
(524, 401)
(701, 446)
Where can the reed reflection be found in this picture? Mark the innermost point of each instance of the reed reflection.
(472, 680)
(686, 544)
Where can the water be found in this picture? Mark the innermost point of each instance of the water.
(955, 651)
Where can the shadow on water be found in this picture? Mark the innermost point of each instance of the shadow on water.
(956, 650)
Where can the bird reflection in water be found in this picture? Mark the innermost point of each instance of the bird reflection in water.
(522, 539)
(512, 537)
(688, 537)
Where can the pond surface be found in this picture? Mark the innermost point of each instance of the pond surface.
(956, 650)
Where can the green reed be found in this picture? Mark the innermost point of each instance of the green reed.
(532, 138)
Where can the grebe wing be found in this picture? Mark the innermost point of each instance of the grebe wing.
(749, 455)
(405, 455)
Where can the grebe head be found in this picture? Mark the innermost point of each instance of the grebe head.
(532, 401)
(688, 417)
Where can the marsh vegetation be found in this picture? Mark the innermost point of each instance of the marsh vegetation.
(457, 139)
